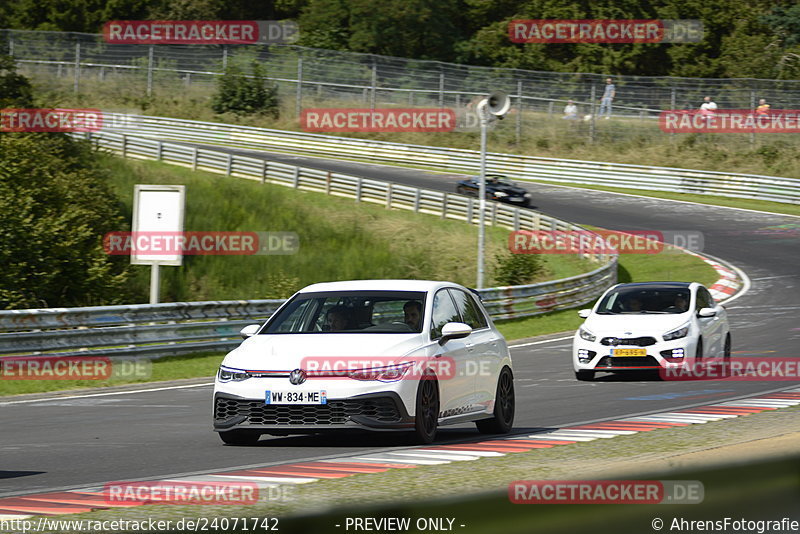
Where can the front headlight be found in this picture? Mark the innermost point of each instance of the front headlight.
(500, 194)
(585, 334)
(527, 195)
(677, 334)
(226, 374)
(390, 373)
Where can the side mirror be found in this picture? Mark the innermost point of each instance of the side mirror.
(707, 312)
(249, 330)
(454, 331)
(584, 314)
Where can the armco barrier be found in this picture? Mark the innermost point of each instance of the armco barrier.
(160, 330)
(749, 186)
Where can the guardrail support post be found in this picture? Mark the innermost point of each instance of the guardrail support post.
(299, 98)
(194, 158)
(76, 83)
(416, 200)
(124, 145)
(150, 51)
(389, 196)
(328, 183)
(469, 210)
(296, 178)
(519, 112)
(445, 198)
(516, 219)
(229, 165)
(358, 189)
(263, 171)
(159, 148)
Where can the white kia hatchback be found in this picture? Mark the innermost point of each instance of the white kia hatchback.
(372, 354)
(650, 325)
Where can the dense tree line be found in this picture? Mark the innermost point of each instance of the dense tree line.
(55, 206)
(759, 38)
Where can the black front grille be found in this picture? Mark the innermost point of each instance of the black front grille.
(336, 412)
(629, 341)
(645, 361)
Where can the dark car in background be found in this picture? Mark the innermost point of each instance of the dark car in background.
(498, 187)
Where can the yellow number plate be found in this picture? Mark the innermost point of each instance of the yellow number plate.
(628, 352)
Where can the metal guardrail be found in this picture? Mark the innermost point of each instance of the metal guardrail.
(192, 327)
(748, 186)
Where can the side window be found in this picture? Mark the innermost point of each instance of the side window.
(469, 309)
(704, 299)
(444, 311)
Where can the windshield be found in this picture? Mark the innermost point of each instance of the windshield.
(645, 300)
(352, 312)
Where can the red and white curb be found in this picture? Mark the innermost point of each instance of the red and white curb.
(88, 499)
(729, 282)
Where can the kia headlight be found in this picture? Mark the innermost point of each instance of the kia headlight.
(677, 334)
(585, 334)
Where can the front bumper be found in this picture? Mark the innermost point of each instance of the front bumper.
(376, 411)
(594, 356)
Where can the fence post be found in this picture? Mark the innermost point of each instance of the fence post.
(224, 57)
(519, 111)
(299, 97)
(374, 84)
(150, 70)
(441, 88)
(76, 84)
(752, 108)
(672, 104)
(593, 122)
(11, 46)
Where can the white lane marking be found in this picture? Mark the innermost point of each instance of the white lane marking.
(57, 399)
(467, 453)
(260, 483)
(591, 431)
(556, 436)
(399, 460)
(266, 478)
(538, 342)
(437, 456)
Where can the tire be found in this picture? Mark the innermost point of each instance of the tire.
(504, 407)
(698, 352)
(584, 376)
(426, 417)
(726, 357)
(239, 437)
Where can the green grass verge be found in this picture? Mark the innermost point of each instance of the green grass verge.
(339, 239)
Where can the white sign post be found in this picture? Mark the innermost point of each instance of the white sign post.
(157, 210)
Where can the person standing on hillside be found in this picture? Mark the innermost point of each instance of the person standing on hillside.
(608, 97)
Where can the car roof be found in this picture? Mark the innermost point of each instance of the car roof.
(657, 285)
(379, 285)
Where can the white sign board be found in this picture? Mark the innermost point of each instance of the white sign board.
(157, 213)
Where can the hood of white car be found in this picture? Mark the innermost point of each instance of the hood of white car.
(637, 324)
(284, 352)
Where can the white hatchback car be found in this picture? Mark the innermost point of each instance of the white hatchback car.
(372, 354)
(650, 325)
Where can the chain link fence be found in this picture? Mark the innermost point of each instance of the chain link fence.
(314, 77)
